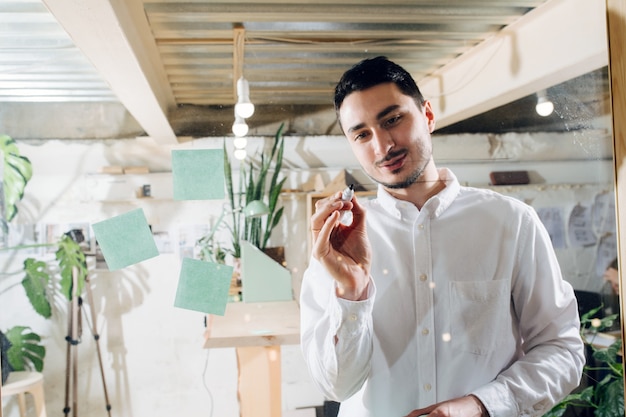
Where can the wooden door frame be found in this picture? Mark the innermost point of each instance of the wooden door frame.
(616, 25)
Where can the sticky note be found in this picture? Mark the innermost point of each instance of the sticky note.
(125, 239)
(263, 279)
(198, 174)
(203, 286)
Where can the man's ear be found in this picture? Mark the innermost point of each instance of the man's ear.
(427, 108)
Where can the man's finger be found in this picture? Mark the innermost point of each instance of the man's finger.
(321, 238)
(422, 411)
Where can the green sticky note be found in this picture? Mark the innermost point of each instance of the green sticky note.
(203, 286)
(125, 239)
(198, 174)
(263, 279)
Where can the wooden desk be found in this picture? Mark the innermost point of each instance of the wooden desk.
(256, 330)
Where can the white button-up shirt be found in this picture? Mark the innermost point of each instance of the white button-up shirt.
(466, 298)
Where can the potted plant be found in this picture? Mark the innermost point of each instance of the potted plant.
(253, 187)
(16, 170)
(604, 397)
(21, 346)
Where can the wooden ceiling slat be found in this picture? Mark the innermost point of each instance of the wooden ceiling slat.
(356, 13)
(440, 3)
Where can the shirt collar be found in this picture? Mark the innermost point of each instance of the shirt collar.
(436, 205)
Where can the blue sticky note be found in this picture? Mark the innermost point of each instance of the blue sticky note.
(263, 279)
(198, 174)
(203, 286)
(125, 239)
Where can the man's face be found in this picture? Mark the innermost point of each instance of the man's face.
(611, 275)
(388, 133)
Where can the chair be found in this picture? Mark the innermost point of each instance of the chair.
(21, 383)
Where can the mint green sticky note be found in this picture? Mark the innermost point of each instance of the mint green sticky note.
(262, 278)
(125, 239)
(198, 174)
(203, 286)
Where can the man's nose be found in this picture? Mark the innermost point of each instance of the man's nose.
(383, 141)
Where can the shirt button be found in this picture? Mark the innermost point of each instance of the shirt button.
(352, 317)
(427, 387)
(420, 226)
(423, 277)
(425, 332)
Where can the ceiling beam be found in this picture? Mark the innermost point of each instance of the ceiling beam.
(466, 3)
(116, 38)
(521, 60)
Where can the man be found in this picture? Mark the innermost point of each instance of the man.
(611, 275)
(437, 299)
(610, 297)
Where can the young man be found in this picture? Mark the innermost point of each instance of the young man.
(611, 275)
(437, 299)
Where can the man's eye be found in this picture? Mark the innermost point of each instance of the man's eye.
(360, 136)
(392, 120)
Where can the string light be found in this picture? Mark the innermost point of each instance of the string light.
(240, 154)
(240, 128)
(544, 106)
(240, 142)
(244, 107)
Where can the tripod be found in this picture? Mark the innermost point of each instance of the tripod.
(73, 338)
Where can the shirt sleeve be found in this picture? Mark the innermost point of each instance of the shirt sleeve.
(553, 351)
(336, 334)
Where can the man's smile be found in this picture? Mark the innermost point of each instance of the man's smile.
(393, 161)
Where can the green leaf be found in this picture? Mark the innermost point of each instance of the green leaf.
(17, 172)
(35, 284)
(611, 399)
(557, 411)
(235, 227)
(610, 356)
(275, 191)
(70, 256)
(274, 222)
(25, 351)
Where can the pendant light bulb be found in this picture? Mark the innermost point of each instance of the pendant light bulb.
(240, 128)
(544, 106)
(240, 154)
(240, 142)
(244, 107)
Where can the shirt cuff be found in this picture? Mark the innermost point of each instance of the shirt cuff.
(497, 400)
(349, 317)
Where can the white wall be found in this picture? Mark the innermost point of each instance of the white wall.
(152, 352)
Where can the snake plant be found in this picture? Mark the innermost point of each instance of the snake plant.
(253, 185)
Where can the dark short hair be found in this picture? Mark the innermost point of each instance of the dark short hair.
(614, 264)
(371, 72)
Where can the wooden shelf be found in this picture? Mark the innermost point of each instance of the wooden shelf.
(254, 324)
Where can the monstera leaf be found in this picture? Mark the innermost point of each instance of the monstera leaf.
(25, 351)
(70, 255)
(17, 172)
(35, 283)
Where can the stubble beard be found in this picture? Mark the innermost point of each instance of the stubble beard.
(408, 181)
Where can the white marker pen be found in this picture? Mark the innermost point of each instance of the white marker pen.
(346, 215)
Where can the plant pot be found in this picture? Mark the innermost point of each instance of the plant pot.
(4, 348)
(235, 282)
(277, 253)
